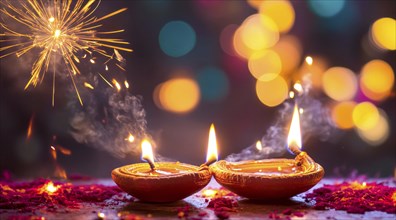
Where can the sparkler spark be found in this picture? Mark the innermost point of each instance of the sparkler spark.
(57, 29)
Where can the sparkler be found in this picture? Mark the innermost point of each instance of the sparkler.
(57, 29)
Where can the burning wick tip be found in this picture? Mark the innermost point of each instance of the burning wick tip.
(151, 163)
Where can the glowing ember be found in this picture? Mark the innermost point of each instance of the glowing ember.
(43, 194)
(49, 188)
(309, 60)
(259, 146)
(101, 215)
(209, 193)
(116, 84)
(30, 127)
(126, 84)
(355, 197)
(130, 138)
(87, 85)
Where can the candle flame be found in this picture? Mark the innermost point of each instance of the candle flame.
(147, 151)
(126, 84)
(211, 155)
(294, 137)
(309, 60)
(259, 146)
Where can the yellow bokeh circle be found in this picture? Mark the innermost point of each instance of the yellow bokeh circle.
(383, 32)
(178, 95)
(265, 65)
(340, 83)
(259, 32)
(379, 133)
(341, 113)
(377, 79)
(281, 12)
(289, 50)
(365, 116)
(272, 93)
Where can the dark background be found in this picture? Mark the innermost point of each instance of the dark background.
(240, 118)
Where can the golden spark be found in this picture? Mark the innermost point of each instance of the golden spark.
(57, 28)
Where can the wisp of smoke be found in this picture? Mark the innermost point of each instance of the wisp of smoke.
(315, 121)
(107, 119)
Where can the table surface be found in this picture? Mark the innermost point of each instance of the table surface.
(246, 210)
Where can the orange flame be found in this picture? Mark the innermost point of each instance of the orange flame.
(309, 60)
(294, 137)
(126, 84)
(147, 151)
(212, 145)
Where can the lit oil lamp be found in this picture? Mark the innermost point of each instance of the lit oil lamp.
(164, 181)
(272, 178)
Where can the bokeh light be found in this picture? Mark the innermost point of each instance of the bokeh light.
(315, 71)
(259, 32)
(281, 12)
(213, 83)
(265, 65)
(383, 32)
(365, 116)
(177, 38)
(179, 95)
(341, 113)
(239, 46)
(289, 50)
(272, 93)
(326, 8)
(377, 80)
(340, 83)
(379, 133)
(255, 3)
(226, 39)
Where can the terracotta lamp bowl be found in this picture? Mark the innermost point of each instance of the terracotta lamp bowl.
(168, 183)
(267, 179)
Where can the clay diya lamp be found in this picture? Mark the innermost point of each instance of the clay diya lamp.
(273, 178)
(160, 182)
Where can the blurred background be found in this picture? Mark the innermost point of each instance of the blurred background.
(231, 63)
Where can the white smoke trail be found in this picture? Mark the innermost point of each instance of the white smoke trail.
(315, 121)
